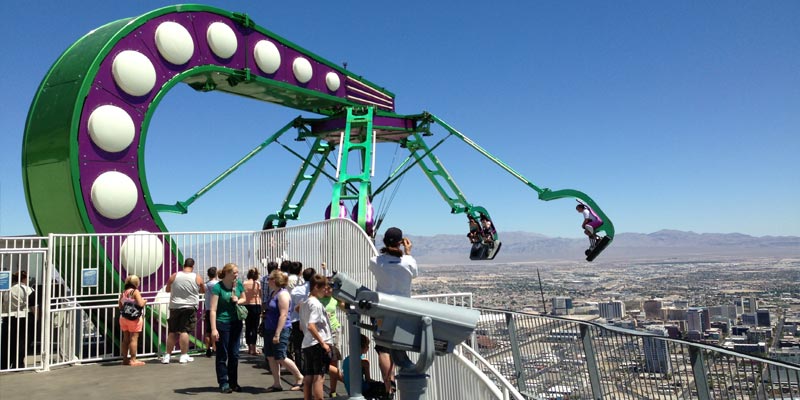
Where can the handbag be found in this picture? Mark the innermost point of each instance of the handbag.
(130, 310)
(241, 312)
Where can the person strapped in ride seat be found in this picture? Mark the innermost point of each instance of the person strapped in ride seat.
(590, 223)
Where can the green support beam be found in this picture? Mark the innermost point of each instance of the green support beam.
(437, 174)
(358, 137)
(182, 207)
(308, 174)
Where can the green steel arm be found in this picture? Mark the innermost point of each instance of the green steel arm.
(182, 207)
(309, 172)
(544, 194)
(458, 203)
(403, 168)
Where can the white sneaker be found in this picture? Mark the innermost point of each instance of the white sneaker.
(165, 359)
(185, 358)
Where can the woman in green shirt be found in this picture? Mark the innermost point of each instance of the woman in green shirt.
(226, 328)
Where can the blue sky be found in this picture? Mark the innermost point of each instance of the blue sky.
(671, 115)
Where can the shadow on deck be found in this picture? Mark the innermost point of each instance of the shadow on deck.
(195, 380)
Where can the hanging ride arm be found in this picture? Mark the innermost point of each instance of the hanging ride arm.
(309, 172)
(182, 207)
(545, 194)
(434, 170)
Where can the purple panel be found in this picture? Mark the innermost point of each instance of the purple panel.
(382, 98)
(87, 149)
(382, 121)
(93, 161)
(285, 73)
(395, 122)
(90, 170)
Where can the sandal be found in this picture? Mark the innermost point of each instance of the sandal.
(272, 389)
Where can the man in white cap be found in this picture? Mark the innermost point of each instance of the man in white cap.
(393, 270)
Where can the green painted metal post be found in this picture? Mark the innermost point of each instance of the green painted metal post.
(357, 137)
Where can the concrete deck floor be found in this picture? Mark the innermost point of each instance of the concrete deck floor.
(196, 380)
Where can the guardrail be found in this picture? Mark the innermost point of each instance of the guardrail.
(548, 357)
(511, 355)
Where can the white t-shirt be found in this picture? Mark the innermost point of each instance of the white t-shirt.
(313, 312)
(588, 215)
(18, 300)
(393, 274)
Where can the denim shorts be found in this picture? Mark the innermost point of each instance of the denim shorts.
(278, 351)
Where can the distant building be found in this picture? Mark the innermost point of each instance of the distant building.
(756, 335)
(673, 331)
(652, 309)
(748, 304)
(675, 314)
(723, 326)
(656, 352)
(762, 318)
(562, 305)
(751, 348)
(612, 310)
(791, 355)
(739, 330)
(697, 319)
(726, 311)
(682, 304)
(749, 319)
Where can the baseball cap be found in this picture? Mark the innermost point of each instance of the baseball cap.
(393, 236)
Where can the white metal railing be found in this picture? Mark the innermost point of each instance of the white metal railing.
(21, 300)
(487, 371)
(548, 357)
(78, 278)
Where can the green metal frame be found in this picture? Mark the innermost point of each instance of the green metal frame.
(358, 136)
(545, 194)
(309, 173)
(182, 207)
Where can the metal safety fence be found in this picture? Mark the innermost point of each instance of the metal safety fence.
(548, 358)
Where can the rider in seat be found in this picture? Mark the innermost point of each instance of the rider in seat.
(474, 230)
(590, 224)
(488, 230)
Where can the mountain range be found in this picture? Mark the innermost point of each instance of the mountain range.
(664, 244)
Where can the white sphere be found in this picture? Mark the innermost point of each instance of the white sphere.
(174, 42)
(114, 194)
(222, 40)
(141, 253)
(134, 73)
(267, 56)
(332, 81)
(302, 69)
(111, 128)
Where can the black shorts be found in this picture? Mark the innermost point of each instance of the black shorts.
(315, 360)
(207, 322)
(182, 320)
